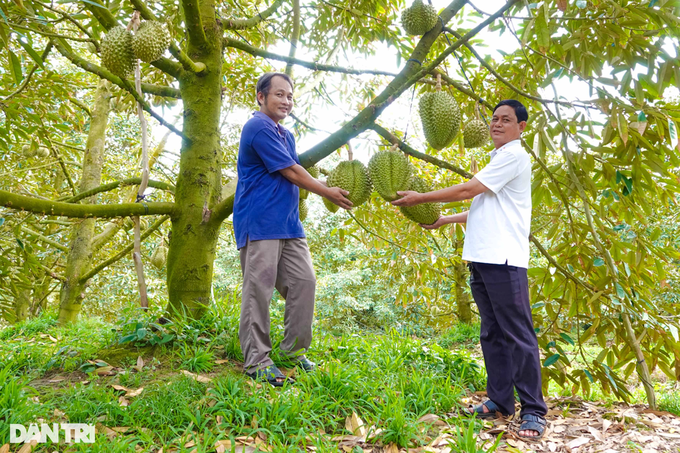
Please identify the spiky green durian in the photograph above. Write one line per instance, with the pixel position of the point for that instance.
(390, 172)
(151, 41)
(475, 134)
(159, 257)
(352, 176)
(426, 213)
(419, 18)
(440, 116)
(117, 54)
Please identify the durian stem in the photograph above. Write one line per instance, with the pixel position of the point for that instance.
(438, 86)
(350, 151)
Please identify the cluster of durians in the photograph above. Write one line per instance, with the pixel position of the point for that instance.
(120, 48)
(440, 116)
(35, 150)
(388, 172)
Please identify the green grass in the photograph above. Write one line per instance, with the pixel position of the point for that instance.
(670, 402)
(458, 335)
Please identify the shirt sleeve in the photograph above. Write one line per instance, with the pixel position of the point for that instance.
(271, 150)
(501, 170)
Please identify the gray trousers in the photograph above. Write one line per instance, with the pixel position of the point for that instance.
(284, 264)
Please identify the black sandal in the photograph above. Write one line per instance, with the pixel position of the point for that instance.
(478, 410)
(532, 423)
(270, 374)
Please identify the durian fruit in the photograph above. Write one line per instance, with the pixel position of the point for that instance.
(160, 255)
(314, 173)
(440, 115)
(332, 207)
(29, 151)
(475, 132)
(352, 176)
(117, 54)
(151, 41)
(390, 172)
(303, 209)
(43, 152)
(419, 18)
(426, 213)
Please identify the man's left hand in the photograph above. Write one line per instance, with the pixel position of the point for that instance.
(408, 198)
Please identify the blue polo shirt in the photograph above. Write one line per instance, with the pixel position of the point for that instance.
(265, 203)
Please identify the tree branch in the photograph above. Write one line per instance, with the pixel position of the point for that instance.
(194, 24)
(387, 135)
(46, 240)
(128, 248)
(222, 210)
(241, 24)
(114, 185)
(236, 44)
(295, 36)
(55, 208)
(406, 78)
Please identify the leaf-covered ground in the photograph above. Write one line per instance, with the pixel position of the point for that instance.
(180, 388)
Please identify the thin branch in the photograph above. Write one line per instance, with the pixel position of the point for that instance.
(513, 87)
(462, 88)
(114, 185)
(24, 84)
(241, 24)
(82, 105)
(128, 248)
(236, 44)
(193, 21)
(72, 20)
(387, 135)
(49, 34)
(55, 208)
(45, 239)
(384, 238)
(61, 162)
(222, 210)
(295, 36)
(147, 108)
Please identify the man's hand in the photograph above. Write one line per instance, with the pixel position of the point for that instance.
(441, 221)
(408, 198)
(338, 196)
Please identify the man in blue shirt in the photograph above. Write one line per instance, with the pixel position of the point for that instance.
(269, 234)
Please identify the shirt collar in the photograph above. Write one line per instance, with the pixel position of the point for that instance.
(282, 130)
(493, 153)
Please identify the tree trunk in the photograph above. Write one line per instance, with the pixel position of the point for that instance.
(463, 309)
(193, 239)
(80, 255)
(22, 304)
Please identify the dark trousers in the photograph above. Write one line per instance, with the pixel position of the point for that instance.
(508, 338)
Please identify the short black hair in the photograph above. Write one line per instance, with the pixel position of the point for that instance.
(265, 82)
(518, 107)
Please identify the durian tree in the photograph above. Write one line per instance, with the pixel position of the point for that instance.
(605, 166)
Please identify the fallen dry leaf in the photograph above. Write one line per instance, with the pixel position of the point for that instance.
(197, 377)
(4, 448)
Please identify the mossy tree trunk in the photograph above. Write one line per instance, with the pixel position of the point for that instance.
(80, 254)
(193, 239)
(463, 302)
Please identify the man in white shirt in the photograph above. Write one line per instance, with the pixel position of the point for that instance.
(497, 248)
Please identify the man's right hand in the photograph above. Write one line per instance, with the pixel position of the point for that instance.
(441, 221)
(338, 196)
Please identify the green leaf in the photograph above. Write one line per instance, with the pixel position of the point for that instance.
(90, 2)
(32, 53)
(619, 291)
(2, 220)
(16, 67)
(567, 338)
(141, 333)
(597, 262)
(128, 338)
(550, 360)
(590, 376)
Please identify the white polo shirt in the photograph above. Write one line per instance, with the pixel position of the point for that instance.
(499, 220)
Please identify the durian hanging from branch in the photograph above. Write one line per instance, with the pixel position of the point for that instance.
(426, 213)
(419, 18)
(390, 172)
(440, 116)
(352, 176)
(120, 48)
(476, 131)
